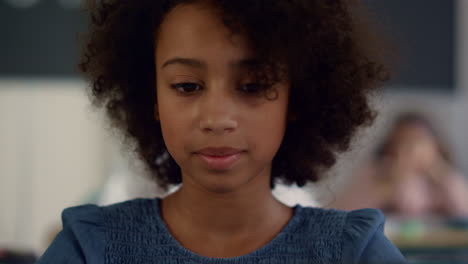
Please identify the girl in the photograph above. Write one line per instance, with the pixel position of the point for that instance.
(227, 98)
(411, 176)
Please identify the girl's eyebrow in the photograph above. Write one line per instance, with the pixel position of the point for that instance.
(195, 63)
(185, 61)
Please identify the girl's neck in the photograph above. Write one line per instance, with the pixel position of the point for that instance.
(221, 212)
(227, 220)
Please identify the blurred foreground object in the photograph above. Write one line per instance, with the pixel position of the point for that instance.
(16, 257)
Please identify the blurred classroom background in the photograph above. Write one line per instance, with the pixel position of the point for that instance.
(56, 151)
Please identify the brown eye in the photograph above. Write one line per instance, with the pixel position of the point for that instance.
(251, 88)
(186, 88)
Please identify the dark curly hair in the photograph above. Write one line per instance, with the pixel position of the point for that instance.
(332, 70)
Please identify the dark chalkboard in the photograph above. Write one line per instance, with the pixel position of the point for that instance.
(42, 40)
(424, 32)
(39, 40)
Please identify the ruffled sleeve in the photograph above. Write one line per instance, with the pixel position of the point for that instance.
(365, 242)
(82, 239)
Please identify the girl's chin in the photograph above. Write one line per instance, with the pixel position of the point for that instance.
(220, 184)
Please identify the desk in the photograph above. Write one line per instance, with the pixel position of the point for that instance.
(437, 238)
(430, 241)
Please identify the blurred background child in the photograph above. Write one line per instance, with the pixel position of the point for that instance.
(412, 175)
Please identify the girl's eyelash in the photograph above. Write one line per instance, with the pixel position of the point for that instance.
(189, 88)
(186, 87)
(251, 88)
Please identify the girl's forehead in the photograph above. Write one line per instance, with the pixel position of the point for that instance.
(184, 17)
(197, 30)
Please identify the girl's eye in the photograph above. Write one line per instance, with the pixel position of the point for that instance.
(251, 88)
(186, 88)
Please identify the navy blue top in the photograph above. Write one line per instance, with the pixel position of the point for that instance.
(134, 232)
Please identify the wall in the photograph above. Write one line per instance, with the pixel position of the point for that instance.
(52, 154)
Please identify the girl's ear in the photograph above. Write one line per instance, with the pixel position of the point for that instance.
(156, 112)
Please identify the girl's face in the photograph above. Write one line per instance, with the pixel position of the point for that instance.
(415, 144)
(219, 131)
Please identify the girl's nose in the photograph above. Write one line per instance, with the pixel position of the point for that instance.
(217, 114)
(218, 125)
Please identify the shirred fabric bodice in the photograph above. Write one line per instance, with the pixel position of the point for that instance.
(134, 232)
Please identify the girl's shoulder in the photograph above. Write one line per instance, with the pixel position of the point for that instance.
(88, 228)
(348, 226)
(359, 232)
(126, 215)
(340, 219)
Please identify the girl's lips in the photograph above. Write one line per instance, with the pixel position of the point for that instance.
(220, 162)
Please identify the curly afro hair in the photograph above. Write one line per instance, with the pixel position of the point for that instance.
(323, 46)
